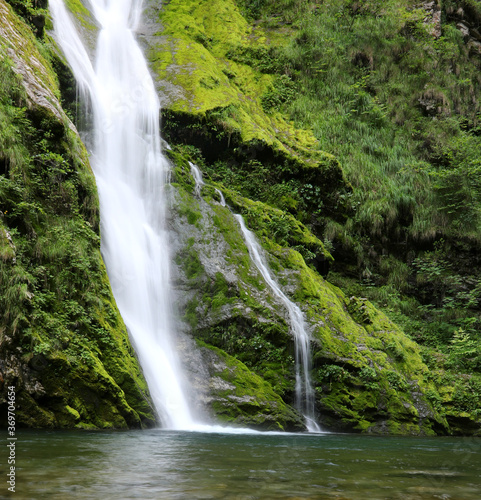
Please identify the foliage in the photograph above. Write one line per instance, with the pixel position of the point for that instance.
(33, 11)
(396, 381)
(464, 351)
(396, 105)
(283, 91)
(332, 373)
(369, 377)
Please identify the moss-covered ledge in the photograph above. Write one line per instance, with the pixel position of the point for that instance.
(217, 144)
(240, 397)
(214, 72)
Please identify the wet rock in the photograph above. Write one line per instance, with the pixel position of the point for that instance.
(464, 30)
(433, 17)
(434, 102)
(474, 47)
(239, 397)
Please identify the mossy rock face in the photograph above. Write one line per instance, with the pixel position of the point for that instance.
(239, 397)
(214, 71)
(368, 376)
(63, 345)
(223, 301)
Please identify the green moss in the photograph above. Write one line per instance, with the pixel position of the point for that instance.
(34, 55)
(280, 226)
(81, 14)
(221, 292)
(190, 262)
(217, 95)
(191, 313)
(33, 13)
(76, 7)
(246, 399)
(188, 208)
(73, 412)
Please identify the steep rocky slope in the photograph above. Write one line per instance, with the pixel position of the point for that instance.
(368, 375)
(225, 88)
(224, 85)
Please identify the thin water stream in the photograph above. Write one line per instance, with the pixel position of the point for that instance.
(304, 390)
(305, 399)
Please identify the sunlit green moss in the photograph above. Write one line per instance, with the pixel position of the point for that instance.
(197, 75)
(246, 399)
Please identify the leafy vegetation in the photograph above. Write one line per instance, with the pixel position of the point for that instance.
(397, 105)
(33, 11)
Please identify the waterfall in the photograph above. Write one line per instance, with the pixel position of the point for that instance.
(304, 390)
(221, 197)
(199, 182)
(197, 175)
(130, 171)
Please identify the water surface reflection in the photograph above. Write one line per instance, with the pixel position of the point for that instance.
(175, 465)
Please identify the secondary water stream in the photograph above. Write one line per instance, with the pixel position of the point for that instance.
(304, 390)
(305, 400)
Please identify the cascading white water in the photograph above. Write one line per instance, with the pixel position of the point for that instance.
(304, 391)
(130, 171)
(221, 196)
(199, 182)
(197, 175)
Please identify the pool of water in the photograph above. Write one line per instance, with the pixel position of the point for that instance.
(173, 465)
